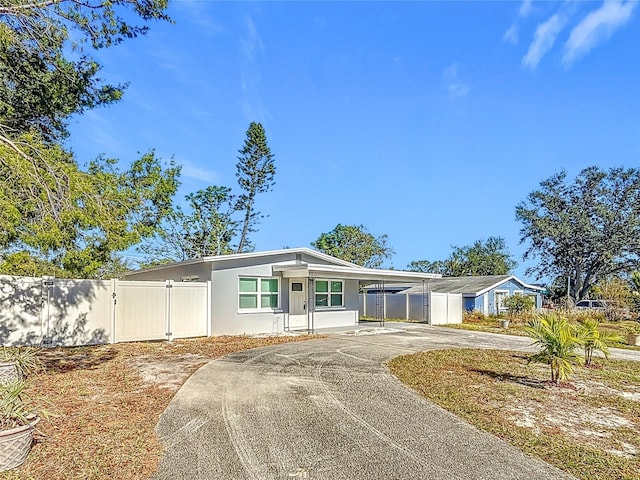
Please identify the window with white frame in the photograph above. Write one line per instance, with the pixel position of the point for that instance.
(329, 293)
(256, 293)
(500, 297)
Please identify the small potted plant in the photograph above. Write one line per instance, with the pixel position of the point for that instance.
(18, 363)
(18, 420)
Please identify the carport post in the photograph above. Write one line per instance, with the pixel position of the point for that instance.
(311, 301)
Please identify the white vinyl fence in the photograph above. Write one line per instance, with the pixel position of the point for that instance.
(433, 308)
(51, 312)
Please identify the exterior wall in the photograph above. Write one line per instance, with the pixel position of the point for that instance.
(227, 319)
(471, 303)
(175, 273)
(511, 287)
(342, 317)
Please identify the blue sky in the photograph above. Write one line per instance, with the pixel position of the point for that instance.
(427, 121)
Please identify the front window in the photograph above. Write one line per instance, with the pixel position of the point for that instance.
(258, 293)
(329, 293)
(500, 298)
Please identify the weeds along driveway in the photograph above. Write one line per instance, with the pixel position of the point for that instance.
(329, 409)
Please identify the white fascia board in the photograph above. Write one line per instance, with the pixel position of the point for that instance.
(359, 273)
(235, 256)
(305, 250)
(485, 290)
(512, 277)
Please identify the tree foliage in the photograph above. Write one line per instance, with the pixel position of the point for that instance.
(46, 71)
(354, 244)
(255, 174)
(490, 257)
(586, 230)
(634, 288)
(59, 215)
(106, 210)
(207, 229)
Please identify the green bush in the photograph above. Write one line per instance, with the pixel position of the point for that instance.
(517, 304)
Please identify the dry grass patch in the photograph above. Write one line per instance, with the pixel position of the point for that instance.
(107, 401)
(589, 427)
(478, 322)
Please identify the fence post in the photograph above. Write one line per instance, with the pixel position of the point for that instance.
(169, 290)
(209, 328)
(114, 300)
(406, 306)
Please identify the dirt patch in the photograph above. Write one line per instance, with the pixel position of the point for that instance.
(169, 373)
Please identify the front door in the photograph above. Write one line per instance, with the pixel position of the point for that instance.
(297, 303)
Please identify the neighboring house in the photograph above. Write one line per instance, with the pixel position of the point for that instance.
(483, 293)
(276, 291)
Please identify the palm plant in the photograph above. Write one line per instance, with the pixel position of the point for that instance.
(26, 359)
(594, 339)
(15, 408)
(558, 342)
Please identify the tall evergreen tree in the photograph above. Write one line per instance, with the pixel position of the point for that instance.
(255, 174)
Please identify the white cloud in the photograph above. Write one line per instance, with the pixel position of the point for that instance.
(251, 41)
(196, 172)
(597, 27)
(456, 88)
(511, 35)
(543, 40)
(252, 47)
(526, 7)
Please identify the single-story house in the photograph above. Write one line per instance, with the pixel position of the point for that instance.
(277, 291)
(483, 293)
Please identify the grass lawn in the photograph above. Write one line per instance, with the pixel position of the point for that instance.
(482, 323)
(107, 401)
(588, 427)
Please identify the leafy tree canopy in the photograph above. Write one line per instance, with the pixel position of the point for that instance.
(46, 73)
(57, 216)
(106, 210)
(355, 244)
(208, 229)
(585, 230)
(490, 257)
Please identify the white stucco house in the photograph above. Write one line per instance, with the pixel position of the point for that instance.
(278, 291)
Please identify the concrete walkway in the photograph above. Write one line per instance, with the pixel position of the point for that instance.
(329, 409)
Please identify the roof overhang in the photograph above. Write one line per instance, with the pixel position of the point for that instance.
(511, 277)
(308, 270)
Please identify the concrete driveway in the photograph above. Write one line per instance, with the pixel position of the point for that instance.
(329, 409)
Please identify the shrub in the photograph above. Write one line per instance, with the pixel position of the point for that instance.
(517, 304)
(558, 342)
(593, 338)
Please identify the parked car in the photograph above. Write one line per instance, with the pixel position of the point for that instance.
(591, 305)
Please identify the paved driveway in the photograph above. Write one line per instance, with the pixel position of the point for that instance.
(329, 409)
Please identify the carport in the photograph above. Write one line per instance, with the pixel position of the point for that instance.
(309, 282)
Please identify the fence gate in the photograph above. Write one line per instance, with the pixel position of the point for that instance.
(161, 310)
